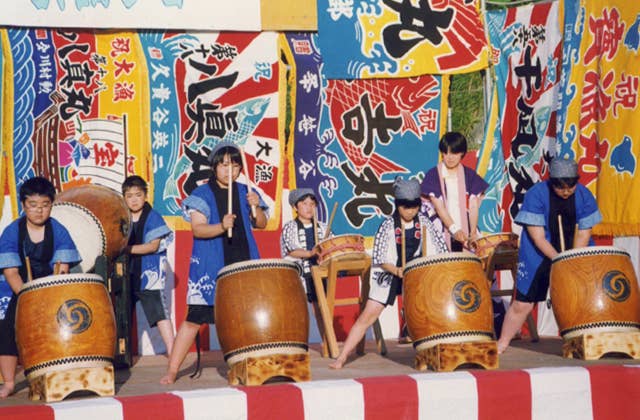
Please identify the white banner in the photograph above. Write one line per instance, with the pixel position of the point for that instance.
(216, 15)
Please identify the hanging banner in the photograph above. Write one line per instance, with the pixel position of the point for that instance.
(526, 48)
(598, 125)
(400, 38)
(134, 14)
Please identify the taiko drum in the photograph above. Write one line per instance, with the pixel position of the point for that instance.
(447, 300)
(261, 310)
(487, 245)
(340, 246)
(594, 289)
(65, 322)
(97, 219)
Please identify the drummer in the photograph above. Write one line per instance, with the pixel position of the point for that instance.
(455, 192)
(46, 244)
(561, 197)
(207, 210)
(298, 238)
(387, 270)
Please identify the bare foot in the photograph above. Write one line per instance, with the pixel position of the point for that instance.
(6, 389)
(168, 379)
(337, 364)
(502, 347)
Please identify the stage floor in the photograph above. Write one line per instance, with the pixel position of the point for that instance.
(143, 377)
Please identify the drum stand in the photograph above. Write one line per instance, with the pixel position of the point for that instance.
(258, 370)
(593, 346)
(56, 386)
(447, 357)
(347, 265)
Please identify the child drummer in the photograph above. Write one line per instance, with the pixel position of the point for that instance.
(387, 268)
(300, 237)
(33, 246)
(207, 208)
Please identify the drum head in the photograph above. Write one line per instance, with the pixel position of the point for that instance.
(85, 230)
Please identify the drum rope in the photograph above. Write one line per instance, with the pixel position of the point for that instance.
(266, 346)
(67, 361)
(198, 371)
(33, 286)
(453, 334)
(588, 251)
(358, 247)
(601, 324)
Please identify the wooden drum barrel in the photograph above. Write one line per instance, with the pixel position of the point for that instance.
(97, 219)
(594, 289)
(341, 246)
(447, 300)
(261, 310)
(64, 322)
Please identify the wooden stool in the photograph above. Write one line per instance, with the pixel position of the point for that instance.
(447, 357)
(257, 370)
(347, 265)
(506, 258)
(55, 386)
(594, 346)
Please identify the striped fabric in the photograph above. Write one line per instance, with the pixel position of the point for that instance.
(596, 392)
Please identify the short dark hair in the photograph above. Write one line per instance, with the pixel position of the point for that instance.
(234, 156)
(409, 203)
(37, 186)
(453, 142)
(134, 181)
(563, 182)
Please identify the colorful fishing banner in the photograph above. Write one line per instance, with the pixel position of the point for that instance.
(158, 14)
(526, 48)
(598, 121)
(400, 38)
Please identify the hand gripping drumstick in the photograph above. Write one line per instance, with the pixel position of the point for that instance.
(230, 197)
(246, 175)
(333, 214)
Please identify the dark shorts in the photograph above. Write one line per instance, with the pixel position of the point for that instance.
(8, 345)
(311, 289)
(200, 314)
(539, 286)
(152, 302)
(394, 289)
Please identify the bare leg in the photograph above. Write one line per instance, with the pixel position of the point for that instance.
(166, 332)
(371, 312)
(8, 369)
(513, 320)
(186, 334)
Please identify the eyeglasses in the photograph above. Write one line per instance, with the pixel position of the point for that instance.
(33, 206)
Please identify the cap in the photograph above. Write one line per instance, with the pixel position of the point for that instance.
(406, 190)
(220, 146)
(563, 168)
(298, 194)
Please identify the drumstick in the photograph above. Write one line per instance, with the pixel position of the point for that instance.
(56, 268)
(230, 196)
(315, 225)
(561, 233)
(246, 175)
(333, 214)
(424, 241)
(575, 236)
(402, 246)
(28, 264)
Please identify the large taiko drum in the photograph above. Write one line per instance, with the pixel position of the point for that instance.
(65, 322)
(447, 300)
(487, 245)
(261, 310)
(341, 246)
(97, 219)
(593, 290)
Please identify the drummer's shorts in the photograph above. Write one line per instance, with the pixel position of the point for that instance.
(200, 314)
(153, 305)
(8, 345)
(384, 288)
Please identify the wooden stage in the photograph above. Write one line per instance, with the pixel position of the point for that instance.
(141, 381)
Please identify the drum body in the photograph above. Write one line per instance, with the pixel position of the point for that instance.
(97, 219)
(485, 247)
(447, 300)
(65, 322)
(261, 310)
(594, 289)
(340, 246)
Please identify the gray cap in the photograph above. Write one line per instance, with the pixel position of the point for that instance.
(406, 190)
(563, 168)
(298, 194)
(220, 146)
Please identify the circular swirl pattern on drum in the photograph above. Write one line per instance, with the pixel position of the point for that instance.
(466, 296)
(616, 286)
(74, 316)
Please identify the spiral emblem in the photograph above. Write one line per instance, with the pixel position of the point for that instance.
(616, 285)
(466, 296)
(74, 316)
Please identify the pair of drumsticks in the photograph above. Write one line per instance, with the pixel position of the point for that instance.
(575, 234)
(27, 263)
(230, 189)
